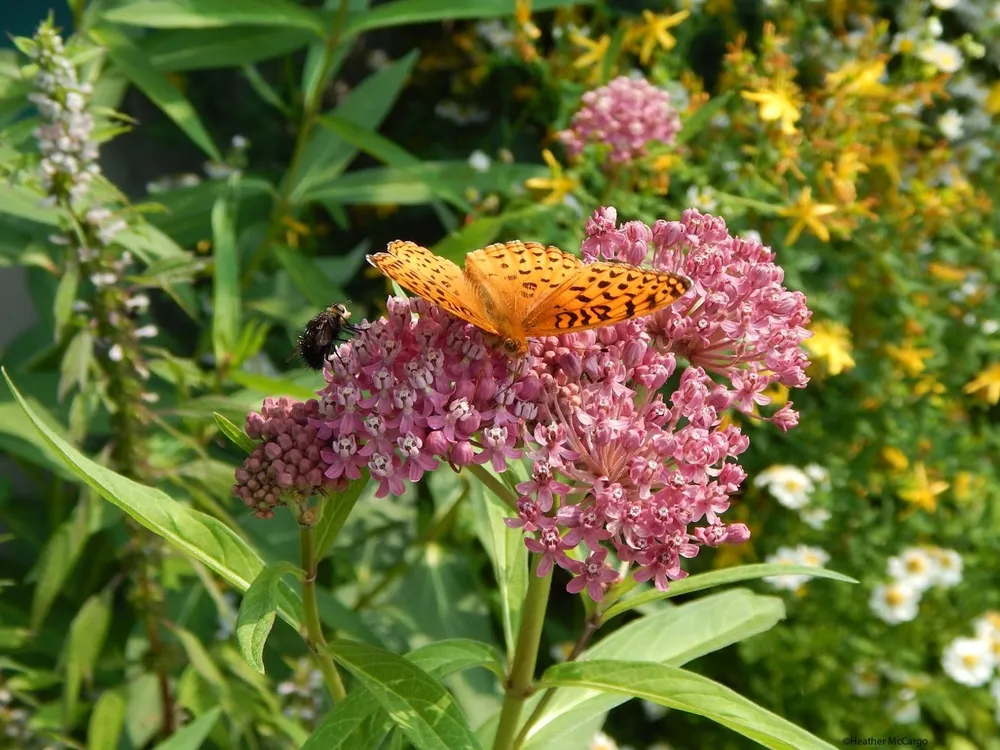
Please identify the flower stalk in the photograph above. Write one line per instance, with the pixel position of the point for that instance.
(314, 637)
(522, 669)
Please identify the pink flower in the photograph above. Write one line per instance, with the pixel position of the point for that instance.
(626, 115)
(617, 462)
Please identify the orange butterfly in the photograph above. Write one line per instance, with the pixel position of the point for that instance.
(517, 289)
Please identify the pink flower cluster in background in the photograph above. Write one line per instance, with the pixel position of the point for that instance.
(627, 449)
(626, 115)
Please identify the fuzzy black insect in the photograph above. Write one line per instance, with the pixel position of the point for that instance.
(321, 335)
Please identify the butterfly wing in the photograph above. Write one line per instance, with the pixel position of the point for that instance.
(511, 276)
(603, 293)
(432, 277)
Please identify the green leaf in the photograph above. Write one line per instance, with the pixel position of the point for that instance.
(367, 140)
(66, 294)
(685, 691)
(257, 612)
(419, 183)
(480, 233)
(508, 555)
(318, 288)
(199, 535)
(83, 646)
(405, 12)
(453, 655)
(367, 105)
(714, 578)
(207, 14)
(675, 635)
(136, 66)
(24, 203)
(234, 433)
(192, 736)
(184, 213)
(59, 558)
(198, 49)
(106, 721)
(419, 705)
(203, 662)
(226, 289)
(359, 723)
(334, 510)
(697, 122)
(75, 366)
(265, 90)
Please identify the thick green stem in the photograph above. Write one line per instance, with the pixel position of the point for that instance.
(314, 628)
(522, 668)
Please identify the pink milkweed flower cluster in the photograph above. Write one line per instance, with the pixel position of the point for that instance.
(628, 449)
(626, 115)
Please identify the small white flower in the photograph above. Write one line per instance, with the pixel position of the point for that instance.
(819, 474)
(815, 518)
(702, 198)
(903, 707)
(969, 661)
(945, 57)
(378, 59)
(989, 327)
(915, 565)
(601, 741)
(948, 567)
(753, 235)
(240, 142)
(802, 554)
(951, 125)
(944, 4)
(864, 681)
(934, 27)
(217, 171)
(653, 711)
(479, 161)
(895, 602)
(789, 485)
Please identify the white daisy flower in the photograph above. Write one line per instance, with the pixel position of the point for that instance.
(945, 57)
(915, 565)
(969, 661)
(895, 602)
(789, 485)
(948, 564)
(803, 554)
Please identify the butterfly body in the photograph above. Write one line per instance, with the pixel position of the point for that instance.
(517, 290)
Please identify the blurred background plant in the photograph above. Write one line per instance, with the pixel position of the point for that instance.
(170, 274)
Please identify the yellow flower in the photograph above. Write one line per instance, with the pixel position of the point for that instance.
(993, 100)
(522, 14)
(859, 77)
(557, 185)
(962, 488)
(831, 344)
(653, 31)
(781, 102)
(596, 50)
(944, 272)
(987, 381)
(807, 214)
(895, 458)
(909, 357)
(778, 394)
(293, 231)
(921, 492)
(844, 175)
